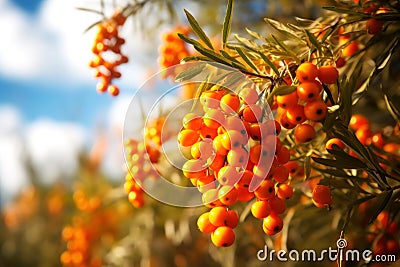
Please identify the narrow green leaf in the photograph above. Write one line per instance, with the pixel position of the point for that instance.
(255, 35)
(279, 43)
(383, 200)
(190, 73)
(283, 29)
(227, 56)
(313, 40)
(194, 58)
(198, 30)
(212, 55)
(189, 40)
(340, 164)
(269, 62)
(89, 10)
(246, 59)
(227, 23)
(91, 26)
(393, 106)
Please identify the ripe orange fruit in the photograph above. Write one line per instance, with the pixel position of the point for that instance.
(306, 72)
(373, 26)
(260, 209)
(304, 133)
(321, 196)
(204, 224)
(272, 224)
(223, 236)
(328, 74)
(295, 114)
(315, 110)
(288, 100)
(307, 91)
(334, 141)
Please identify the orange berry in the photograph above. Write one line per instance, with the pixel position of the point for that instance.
(218, 216)
(292, 166)
(260, 209)
(252, 113)
(315, 110)
(213, 118)
(277, 205)
(210, 198)
(208, 133)
(266, 190)
(194, 168)
(223, 236)
(284, 121)
(204, 224)
(228, 175)
(272, 224)
(340, 62)
(233, 219)
(192, 121)
(364, 134)
(321, 196)
(328, 74)
(357, 120)
(295, 114)
(230, 103)
(281, 174)
(228, 195)
(306, 72)
(284, 191)
(304, 133)
(288, 100)
(350, 49)
(233, 139)
(237, 157)
(188, 137)
(307, 91)
(202, 149)
(377, 140)
(282, 155)
(218, 147)
(373, 26)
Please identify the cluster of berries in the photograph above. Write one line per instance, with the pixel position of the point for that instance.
(173, 50)
(139, 157)
(305, 102)
(235, 155)
(107, 53)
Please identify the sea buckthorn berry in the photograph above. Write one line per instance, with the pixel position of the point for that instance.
(282, 155)
(213, 118)
(258, 153)
(248, 96)
(207, 132)
(292, 166)
(284, 191)
(377, 140)
(334, 141)
(350, 49)
(364, 134)
(218, 216)
(223, 236)
(194, 168)
(321, 196)
(252, 113)
(260, 209)
(277, 205)
(315, 110)
(304, 133)
(188, 137)
(357, 120)
(230, 103)
(210, 198)
(228, 195)
(204, 224)
(261, 130)
(295, 114)
(308, 91)
(266, 190)
(218, 147)
(202, 149)
(328, 74)
(272, 224)
(192, 121)
(210, 99)
(340, 62)
(205, 183)
(237, 157)
(233, 139)
(233, 219)
(373, 26)
(306, 72)
(228, 175)
(235, 123)
(284, 121)
(281, 174)
(288, 100)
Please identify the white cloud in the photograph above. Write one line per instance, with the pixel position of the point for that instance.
(53, 148)
(51, 44)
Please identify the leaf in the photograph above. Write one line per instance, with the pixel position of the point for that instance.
(313, 40)
(89, 10)
(226, 29)
(198, 30)
(212, 55)
(283, 29)
(246, 59)
(269, 62)
(255, 35)
(91, 26)
(340, 163)
(226, 55)
(188, 40)
(383, 200)
(279, 43)
(190, 73)
(307, 166)
(393, 106)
